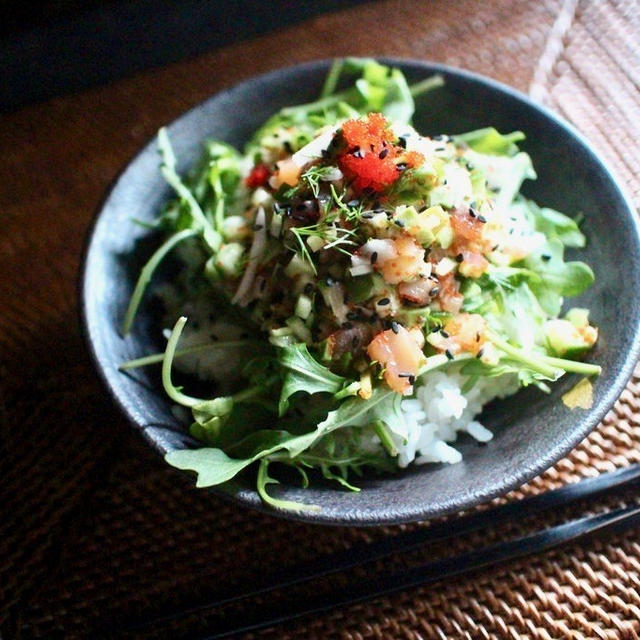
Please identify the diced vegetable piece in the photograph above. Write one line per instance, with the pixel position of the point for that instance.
(567, 340)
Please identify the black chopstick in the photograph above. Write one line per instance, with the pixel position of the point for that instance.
(537, 542)
(364, 553)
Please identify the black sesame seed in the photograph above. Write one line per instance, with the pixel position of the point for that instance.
(443, 333)
(459, 258)
(405, 375)
(480, 353)
(367, 216)
(440, 149)
(374, 257)
(448, 354)
(546, 257)
(383, 154)
(401, 166)
(412, 379)
(402, 141)
(399, 223)
(347, 325)
(383, 302)
(434, 292)
(352, 315)
(477, 336)
(482, 219)
(438, 137)
(353, 203)
(257, 227)
(472, 212)
(330, 281)
(308, 288)
(287, 146)
(373, 318)
(395, 327)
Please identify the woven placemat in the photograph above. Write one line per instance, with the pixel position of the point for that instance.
(94, 528)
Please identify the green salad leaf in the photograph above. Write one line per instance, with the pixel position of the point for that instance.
(304, 373)
(491, 141)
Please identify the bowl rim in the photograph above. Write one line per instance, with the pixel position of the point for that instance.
(515, 478)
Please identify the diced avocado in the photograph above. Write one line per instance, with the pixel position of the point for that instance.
(229, 259)
(427, 226)
(360, 288)
(444, 237)
(566, 340)
(578, 317)
(297, 266)
(315, 243)
(303, 306)
(414, 223)
(282, 337)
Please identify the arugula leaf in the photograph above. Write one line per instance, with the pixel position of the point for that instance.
(213, 466)
(383, 405)
(555, 225)
(398, 103)
(490, 141)
(168, 169)
(147, 273)
(304, 373)
(286, 505)
(557, 277)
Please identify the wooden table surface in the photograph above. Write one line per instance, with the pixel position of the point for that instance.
(94, 527)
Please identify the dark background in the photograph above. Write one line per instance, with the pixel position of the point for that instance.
(60, 46)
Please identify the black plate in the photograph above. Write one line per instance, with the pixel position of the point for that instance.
(532, 430)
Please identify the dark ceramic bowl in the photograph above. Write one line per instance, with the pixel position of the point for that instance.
(532, 430)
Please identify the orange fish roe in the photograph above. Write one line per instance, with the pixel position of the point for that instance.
(363, 133)
(372, 161)
(369, 172)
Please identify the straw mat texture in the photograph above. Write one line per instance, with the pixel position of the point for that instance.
(94, 528)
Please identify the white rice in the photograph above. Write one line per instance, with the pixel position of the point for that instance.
(438, 411)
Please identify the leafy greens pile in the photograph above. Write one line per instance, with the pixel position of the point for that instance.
(323, 401)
